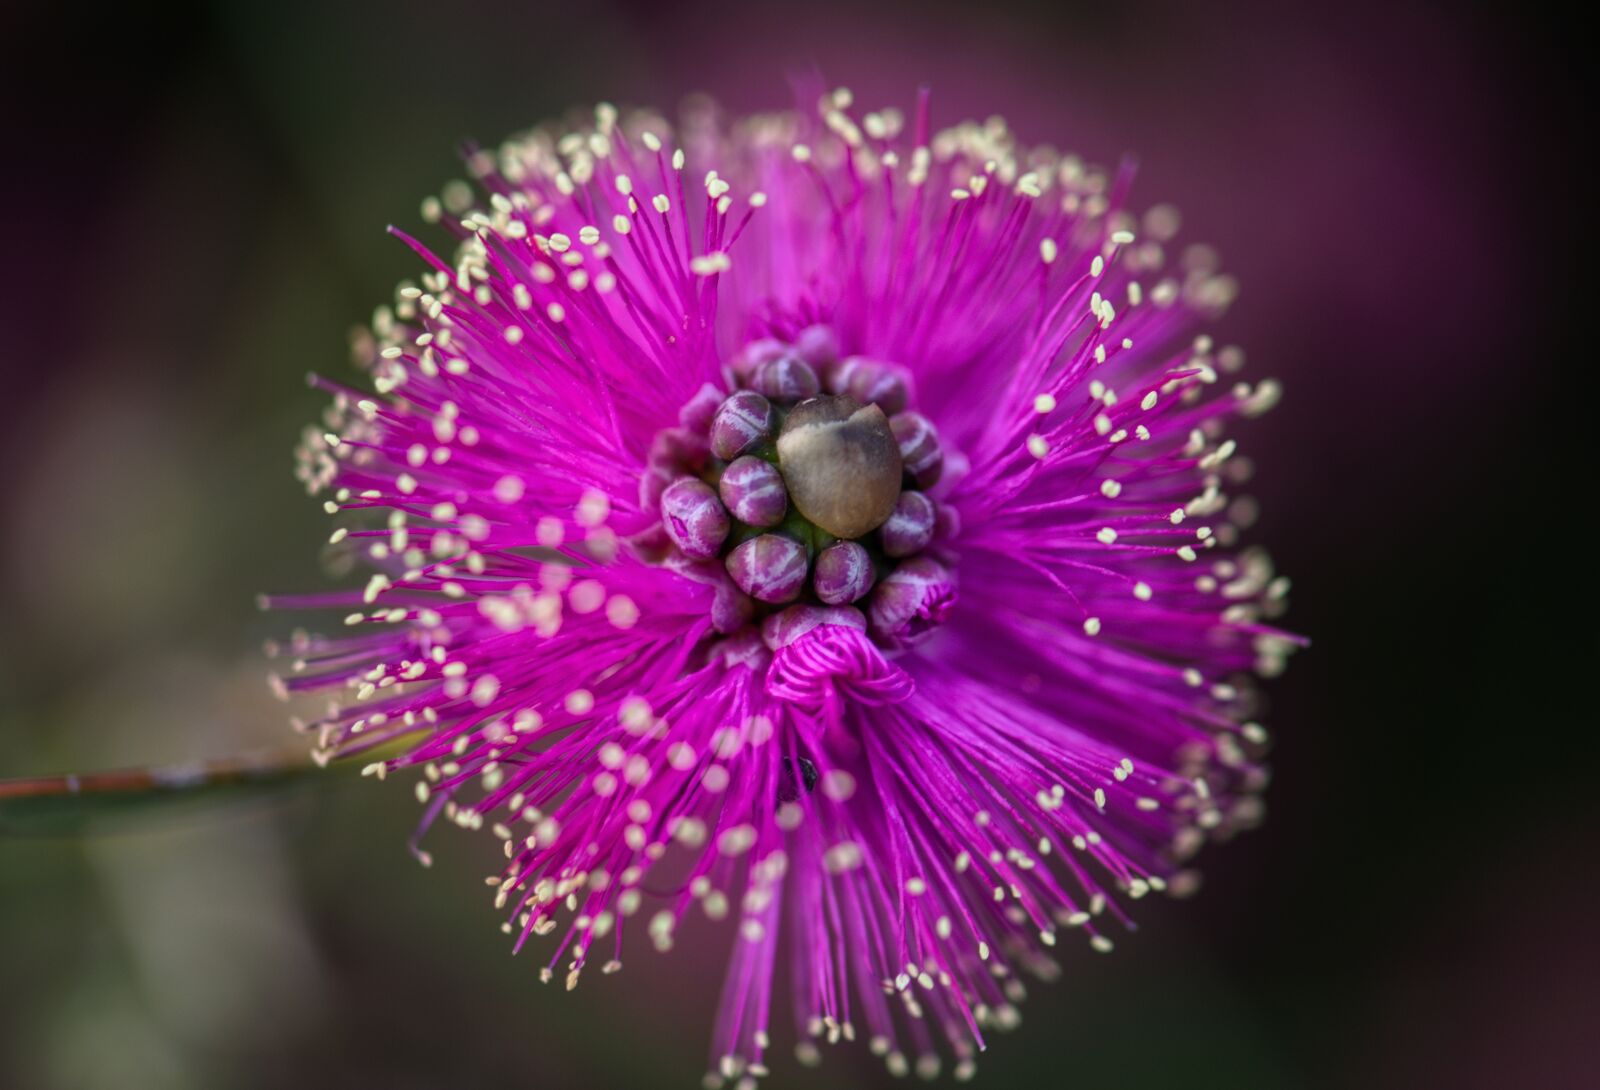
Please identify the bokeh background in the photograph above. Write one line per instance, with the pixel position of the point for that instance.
(193, 206)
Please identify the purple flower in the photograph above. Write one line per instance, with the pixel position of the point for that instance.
(967, 392)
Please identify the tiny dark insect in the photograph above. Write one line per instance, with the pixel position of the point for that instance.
(788, 789)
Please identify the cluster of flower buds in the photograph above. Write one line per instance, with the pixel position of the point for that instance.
(807, 484)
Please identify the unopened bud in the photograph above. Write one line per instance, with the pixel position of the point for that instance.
(745, 649)
(769, 568)
(697, 412)
(920, 451)
(681, 449)
(911, 602)
(694, 518)
(787, 378)
(651, 544)
(843, 573)
(756, 353)
(870, 382)
(654, 482)
(731, 608)
(909, 527)
(818, 345)
(741, 422)
(787, 626)
(752, 490)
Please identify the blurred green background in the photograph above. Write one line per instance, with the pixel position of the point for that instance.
(194, 203)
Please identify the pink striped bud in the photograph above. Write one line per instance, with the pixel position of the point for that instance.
(769, 568)
(787, 378)
(741, 422)
(911, 602)
(697, 412)
(694, 518)
(681, 449)
(754, 354)
(843, 573)
(731, 608)
(818, 345)
(870, 382)
(909, 527)
(785, 627)
(920, 452)
(753, 491)
(654, 482)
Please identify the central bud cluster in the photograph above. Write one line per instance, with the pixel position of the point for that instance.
(804, 486)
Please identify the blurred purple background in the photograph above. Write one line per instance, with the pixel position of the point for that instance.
(194, 204)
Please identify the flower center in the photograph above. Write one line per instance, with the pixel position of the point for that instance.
(806, 486)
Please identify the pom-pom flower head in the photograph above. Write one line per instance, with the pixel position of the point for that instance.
(810, 519)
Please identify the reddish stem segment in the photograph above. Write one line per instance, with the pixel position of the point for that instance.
(224, 770)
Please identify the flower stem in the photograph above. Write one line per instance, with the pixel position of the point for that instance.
(47, 802)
